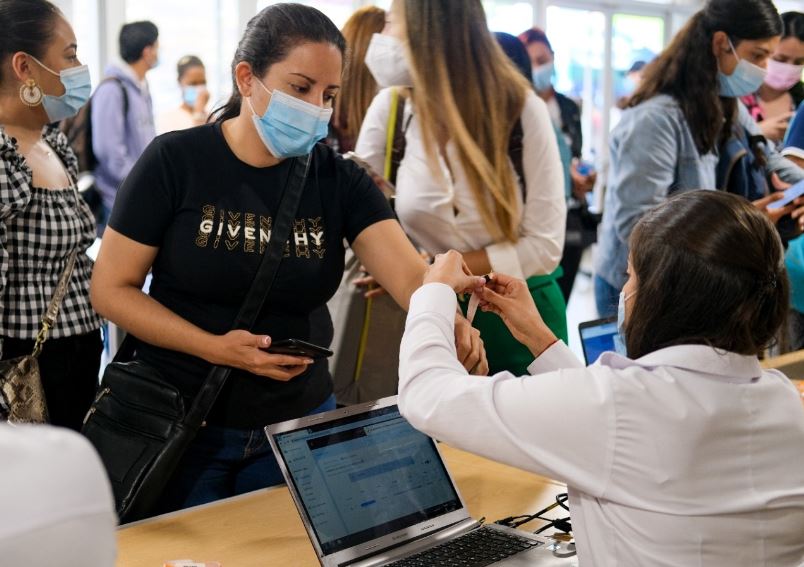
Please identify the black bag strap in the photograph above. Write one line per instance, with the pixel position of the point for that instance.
(62, 287)
(515, 145)
(260, 287)
(516, 150)
(123, 90)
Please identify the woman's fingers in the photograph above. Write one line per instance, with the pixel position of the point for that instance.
(482, 367)
(283, 373)
(463, 338)
(489, 296)
(475, 353)
(364, 281)
(375, 292)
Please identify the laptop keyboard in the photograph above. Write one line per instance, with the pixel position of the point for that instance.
(483, 546)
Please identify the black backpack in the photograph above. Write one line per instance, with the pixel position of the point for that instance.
(78, 130)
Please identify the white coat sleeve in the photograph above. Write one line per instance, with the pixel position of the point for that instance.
(559, 424)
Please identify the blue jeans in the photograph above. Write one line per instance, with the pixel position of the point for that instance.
(606, 297)
(224, 462)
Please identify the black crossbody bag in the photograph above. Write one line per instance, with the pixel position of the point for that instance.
(138, 423)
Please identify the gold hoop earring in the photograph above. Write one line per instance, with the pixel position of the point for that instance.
(30, 93)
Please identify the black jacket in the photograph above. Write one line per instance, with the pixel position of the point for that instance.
(571, 123)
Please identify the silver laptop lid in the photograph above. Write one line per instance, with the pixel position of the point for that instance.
(364, 480)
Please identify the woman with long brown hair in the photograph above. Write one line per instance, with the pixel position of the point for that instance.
(458, 187)
(681, 115)
(359, 87)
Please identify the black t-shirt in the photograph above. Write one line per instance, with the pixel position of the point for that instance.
(210, 216)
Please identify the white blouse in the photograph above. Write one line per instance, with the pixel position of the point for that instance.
(687, 456)
(440, 215)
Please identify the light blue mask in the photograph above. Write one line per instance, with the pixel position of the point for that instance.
(745, 80)
(619, 339)
(290, 127)
(189, 94)
(77, 88)
(629, 85)
(543, 77)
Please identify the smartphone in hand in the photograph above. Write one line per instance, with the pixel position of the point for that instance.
(297, 347)
(790, 195)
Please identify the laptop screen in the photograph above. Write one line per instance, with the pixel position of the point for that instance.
(365, 476)
(598, 337)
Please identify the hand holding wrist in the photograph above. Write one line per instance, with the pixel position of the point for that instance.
(449, 269)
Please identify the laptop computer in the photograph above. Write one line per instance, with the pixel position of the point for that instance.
(597, 337)
(373, 491)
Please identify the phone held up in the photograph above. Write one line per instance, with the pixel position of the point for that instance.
(297, 347)
(790, 194)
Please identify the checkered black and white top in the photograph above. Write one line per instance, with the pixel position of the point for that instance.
(39, 228)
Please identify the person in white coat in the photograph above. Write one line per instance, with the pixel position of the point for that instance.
(57, 505)
(683, 453)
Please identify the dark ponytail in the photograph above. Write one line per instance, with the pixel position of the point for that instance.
(26, 25)
(793, 25)
(268, 38)
(687, 69)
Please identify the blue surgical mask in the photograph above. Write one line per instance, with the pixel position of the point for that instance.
(190, 94)
(543, 77)
(745, 80)
(77, 88)
(290, 127)
(619, 340)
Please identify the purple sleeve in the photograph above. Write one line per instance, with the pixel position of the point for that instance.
(109, 131)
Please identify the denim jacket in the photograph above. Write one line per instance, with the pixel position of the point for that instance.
(653, 156)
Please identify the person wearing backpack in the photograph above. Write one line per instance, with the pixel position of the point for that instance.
(122, 112)
(457, 184)
(670, 138)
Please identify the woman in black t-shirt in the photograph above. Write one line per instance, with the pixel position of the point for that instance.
(197, 210)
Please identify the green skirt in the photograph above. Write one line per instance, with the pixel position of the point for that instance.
(504, 352)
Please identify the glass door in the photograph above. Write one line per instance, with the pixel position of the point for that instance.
(580, 65)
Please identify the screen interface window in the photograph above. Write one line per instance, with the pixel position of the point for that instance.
(599, 339)
(364, 477)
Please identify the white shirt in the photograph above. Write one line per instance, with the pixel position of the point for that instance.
(175, 119)
(56, 505)
(427, 206)
(688, 456)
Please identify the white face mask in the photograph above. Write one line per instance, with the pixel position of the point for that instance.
(386, 60)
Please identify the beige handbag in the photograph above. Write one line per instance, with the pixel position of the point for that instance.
(22, 399)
